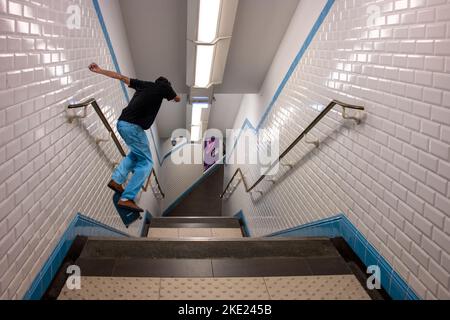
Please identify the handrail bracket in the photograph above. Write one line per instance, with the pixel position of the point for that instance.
(70, 119)
(355, 117)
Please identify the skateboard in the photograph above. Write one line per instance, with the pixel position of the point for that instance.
(128, 217)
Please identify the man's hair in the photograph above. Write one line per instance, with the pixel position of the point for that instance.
(162, 80)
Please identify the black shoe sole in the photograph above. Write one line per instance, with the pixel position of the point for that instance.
(129, 208)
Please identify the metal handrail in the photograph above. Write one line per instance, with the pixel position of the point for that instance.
(105, 122)
(322, 114)
(145, 188)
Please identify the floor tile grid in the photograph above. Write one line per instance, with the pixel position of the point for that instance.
(195, 233)
(263, 288)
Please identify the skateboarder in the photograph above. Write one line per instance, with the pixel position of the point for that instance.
(137, 117)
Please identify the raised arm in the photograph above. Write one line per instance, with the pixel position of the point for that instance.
(96, 69)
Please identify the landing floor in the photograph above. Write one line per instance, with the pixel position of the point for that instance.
(335, 287)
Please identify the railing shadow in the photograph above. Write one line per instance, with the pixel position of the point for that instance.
(84, 129)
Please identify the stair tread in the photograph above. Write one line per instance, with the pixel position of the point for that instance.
(195, 222)
(192, 268)
(209, 248)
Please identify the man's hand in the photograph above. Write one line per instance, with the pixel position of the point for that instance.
(177, 99)
(95, 68)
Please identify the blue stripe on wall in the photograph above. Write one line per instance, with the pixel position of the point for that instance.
(117, 68)
(110, 46)
(341, 226)
(162, 159)
(80, 226)
(247, 124)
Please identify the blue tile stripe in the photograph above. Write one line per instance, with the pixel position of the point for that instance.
(110, 45)
(247, 123)
(340, 226)
(147, 219)
(161, 159)
(240, 215)
(80, 226)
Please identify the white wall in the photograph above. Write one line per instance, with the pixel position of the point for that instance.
(390, 175)
(51, 169)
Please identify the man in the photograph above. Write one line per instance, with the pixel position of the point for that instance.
(137, 117)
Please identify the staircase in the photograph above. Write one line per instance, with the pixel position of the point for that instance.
(208, 259)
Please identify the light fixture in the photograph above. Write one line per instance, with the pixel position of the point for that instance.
(210, 27)
(204, 64)
(208, 20)
(201, 105)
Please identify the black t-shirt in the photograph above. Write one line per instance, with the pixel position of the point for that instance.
(146, 102)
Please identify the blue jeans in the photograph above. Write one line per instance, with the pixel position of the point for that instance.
(139, 160)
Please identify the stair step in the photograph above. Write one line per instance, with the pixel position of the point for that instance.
(208, 248)
(195, 222)
(171, 233)
(339, 287)
(192, 268)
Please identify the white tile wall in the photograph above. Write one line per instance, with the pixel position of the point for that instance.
(390, 175)
(50, 169)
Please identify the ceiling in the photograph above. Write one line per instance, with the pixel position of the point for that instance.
(156, 31)
(224, 111)
(258, 30)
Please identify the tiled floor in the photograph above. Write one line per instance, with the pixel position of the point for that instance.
(341, 287)
(170, 233)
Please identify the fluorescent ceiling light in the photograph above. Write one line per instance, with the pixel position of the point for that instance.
(203, 70)
(196, 116)
(208, 20)
(200, 99)
(201, 105)
(195, 133)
